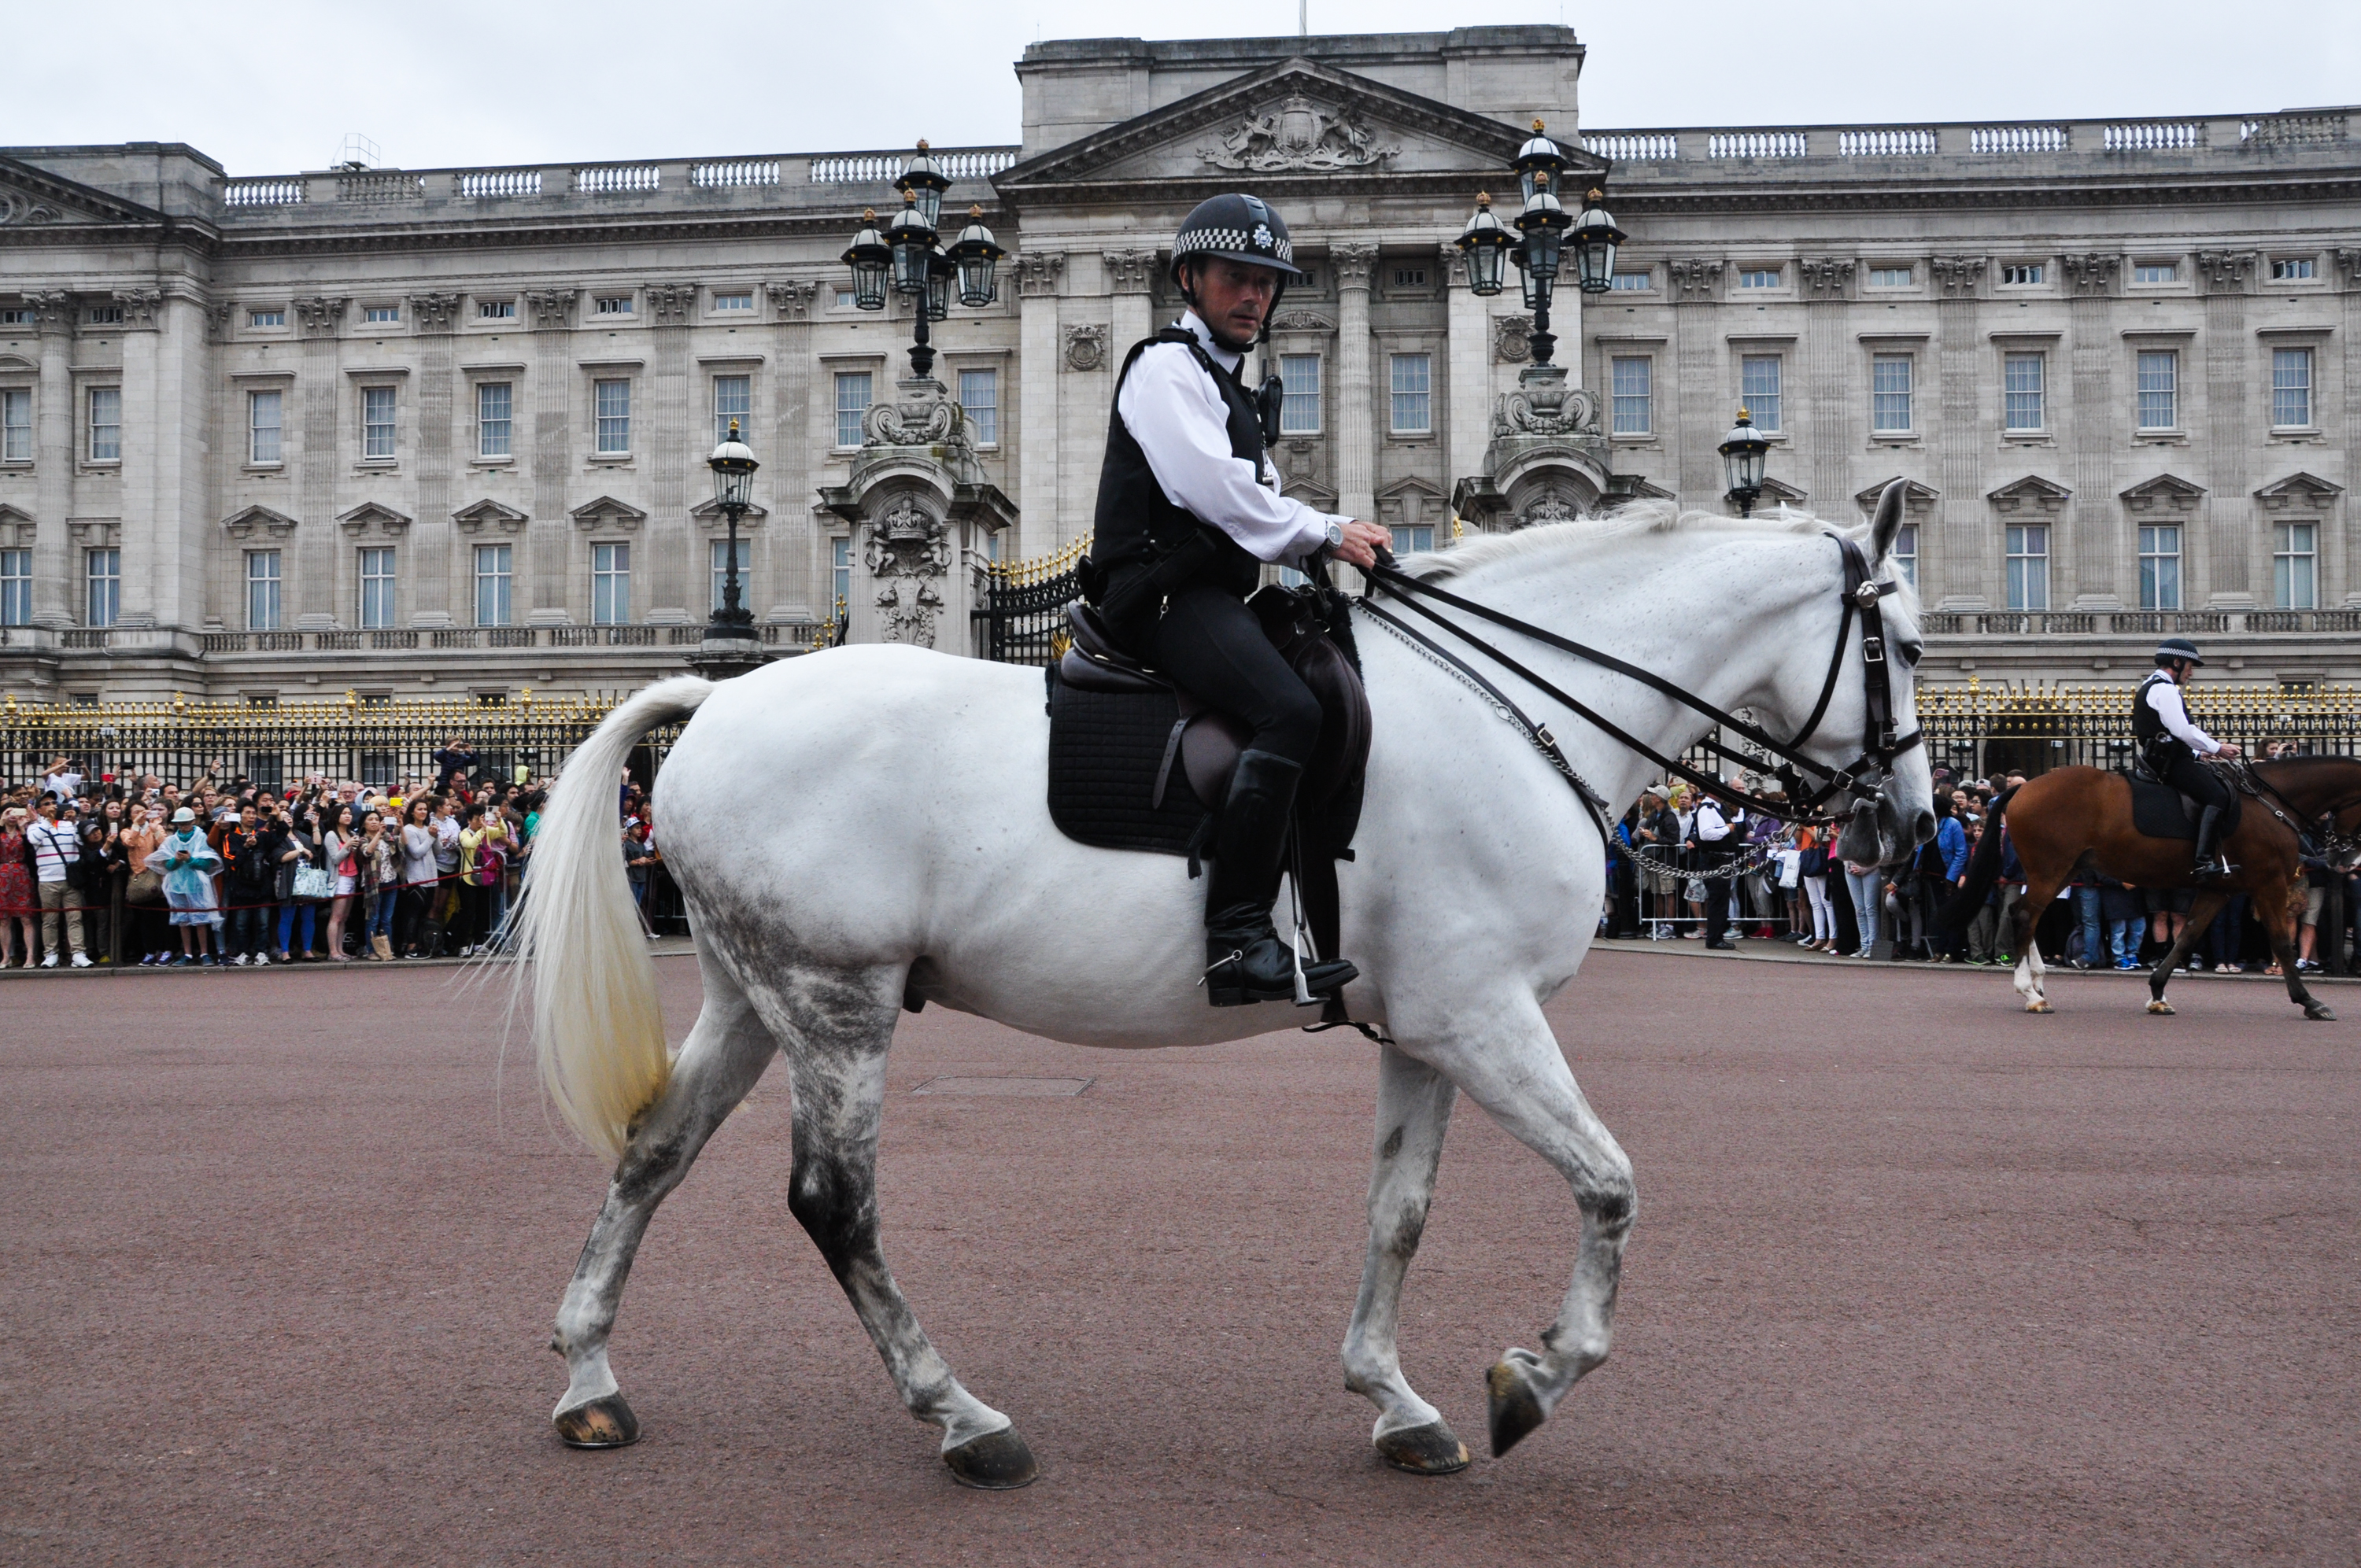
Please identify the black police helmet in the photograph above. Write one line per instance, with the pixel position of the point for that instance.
(1240, 228)
(2177, 649)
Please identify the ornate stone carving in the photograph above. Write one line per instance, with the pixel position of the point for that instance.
(2349, 262)
(2226, 271)
(1693, 277)
(1085, 347)
(2169, 491)
(1544, 404)
(551, 307)
(52, 308)
(1957, 275)
(908, 553)
(320, 314)
(793, 299)
(1353, 264)
(1454, 264)
(140, 305)
(1825, 277)
(923, 415)
(671, 304)
(1130, 272)
(2092, 273)
(1300, 321)
(242, 524)
(1298, 135)
(1512, 339)
(1037, 272)
(217, 315)
(1550, 507)
(2305, 492)
(16, 207)
(435, 312)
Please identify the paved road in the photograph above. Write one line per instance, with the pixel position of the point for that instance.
(1916, 1279)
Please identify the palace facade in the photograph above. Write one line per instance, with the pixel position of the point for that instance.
(404, 432)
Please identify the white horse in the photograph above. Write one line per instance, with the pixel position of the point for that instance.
(909, 854)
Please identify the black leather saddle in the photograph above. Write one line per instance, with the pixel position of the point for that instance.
(2160, 811)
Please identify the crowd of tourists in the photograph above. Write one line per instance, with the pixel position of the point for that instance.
(229, 871)
(1686, 866)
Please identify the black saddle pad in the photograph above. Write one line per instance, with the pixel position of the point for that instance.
(1105, 751)
(2160, 811)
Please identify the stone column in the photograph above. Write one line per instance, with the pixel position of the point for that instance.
(1467, 372)
(1130, 274)
(2225, 276)
(312, 573)
(425, 577)
(173, 594)
(1696, 285)
(782, 556)
(1959, 560)
(53, 455)
(548, 533)
(669, 570)
(2094, 558)
(2348, 264)
(1036, 401)
(1826, 282)
(1356, 409)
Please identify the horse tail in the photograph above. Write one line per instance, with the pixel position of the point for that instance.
(598, 1029)
(1983, 869)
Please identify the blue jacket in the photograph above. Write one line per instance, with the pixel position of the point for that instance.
(1952, 840)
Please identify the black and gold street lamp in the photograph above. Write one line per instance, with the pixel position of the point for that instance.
(1548, 235)
(733, 468)
(908, 257)
(1743, 452)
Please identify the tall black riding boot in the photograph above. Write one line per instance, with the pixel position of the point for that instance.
(2210, 864)
(1244, 959)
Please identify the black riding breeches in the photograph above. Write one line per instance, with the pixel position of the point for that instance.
(2202, 783)
(1210, 643)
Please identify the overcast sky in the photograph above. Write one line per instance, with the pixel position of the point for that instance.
(269, 88)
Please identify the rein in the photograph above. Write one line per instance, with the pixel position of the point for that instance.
(2324, 832)
(1880, 746)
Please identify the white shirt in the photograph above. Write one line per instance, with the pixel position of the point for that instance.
(62, 785)
(1175, 413)
(55, 847)
(1712, 827)
(2165, 698)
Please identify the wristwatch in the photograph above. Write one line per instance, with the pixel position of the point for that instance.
(1335, 536)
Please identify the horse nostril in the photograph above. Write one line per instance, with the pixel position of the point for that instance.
(1922, 827)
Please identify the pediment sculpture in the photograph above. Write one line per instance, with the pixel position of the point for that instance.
(908, 549)
(1298, 135)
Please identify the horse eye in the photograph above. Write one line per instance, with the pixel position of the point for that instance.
(1912, 652)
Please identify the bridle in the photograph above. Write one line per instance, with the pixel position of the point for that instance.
(2322, 837)
(1809, 785)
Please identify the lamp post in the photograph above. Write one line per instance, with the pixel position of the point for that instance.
(1549, 236)
(1744, 451)
(733, 468)
(905, 257)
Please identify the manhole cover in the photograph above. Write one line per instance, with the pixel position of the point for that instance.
(1021, 1087)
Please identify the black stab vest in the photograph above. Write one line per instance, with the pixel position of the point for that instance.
(2160, 746)
(1137, 521)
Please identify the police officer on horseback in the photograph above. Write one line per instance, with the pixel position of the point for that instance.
(1189, 510)
(2172, 747)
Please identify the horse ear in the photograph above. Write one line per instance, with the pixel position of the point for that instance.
(1887, 524)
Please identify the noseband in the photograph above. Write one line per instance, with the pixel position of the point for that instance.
(1809, 784)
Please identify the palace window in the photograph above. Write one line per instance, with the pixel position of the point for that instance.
(1891, 277)
(611, 408)
(840, 570)
(1889, 394)
(495, 419)
(377, 588)
(16, 425)
(979, 397)
(610, 584)
(720, 552)
(1409, 277)
(611, 305)
(2290, 388)
(1760, 277)
(376, 424)
(102, 573)
(852, 403)
(495, 583)
(15, 587)
(733, 399)
(2295, 563)
(106, 424)
(2021, 382)
(2157, 272)
(381, 315)
(262, 426)
(266, 318)
(262, 590)
(1413, 394)
(2029, 565)
(106, 316)
(2025, 272)
(1635, 283)
(1631, 383)
(2290, 268)
(733, 301)
(1298, 409)
(1758, 388)
(1905, 554)
(15, 315)
(1411, 539)
(2160, 566)
(2159, 390)
(495, 309)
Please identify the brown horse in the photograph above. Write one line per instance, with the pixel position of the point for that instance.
(2074, 817)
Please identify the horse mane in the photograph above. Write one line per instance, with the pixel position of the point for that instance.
(1582, 534)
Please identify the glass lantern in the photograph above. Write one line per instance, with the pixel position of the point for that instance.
(912, 239)
(733, 468)
(1543, 223)
(976, 255)
(1743, 452)
(923, 183)
(1536, 289)
(1486, 244)
(872, 261)
(1538, 162)
(1593, 242)
(940, 270)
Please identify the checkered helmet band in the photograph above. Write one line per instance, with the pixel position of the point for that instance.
(1239, 226)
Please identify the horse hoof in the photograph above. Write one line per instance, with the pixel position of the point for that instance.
(2040, 1004)
(997, 1462)
(2318, 1012)
(1431, 1450)
(602, 1424)
(1516, 1411)
(2161, 1007)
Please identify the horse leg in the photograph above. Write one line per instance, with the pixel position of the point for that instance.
(2201, 910)
(2279, 916)
(1413, 1111)
(838, 1025)
(2030, 970)
(1514, 1070)
(724, 1055)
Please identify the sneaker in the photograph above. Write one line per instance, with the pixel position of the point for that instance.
(50, 962)
(2307, 966)
(81, 960)
(239, 960)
